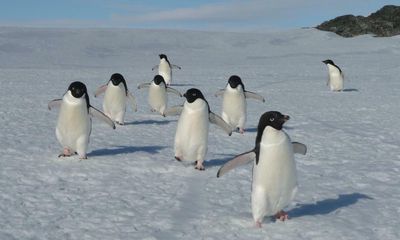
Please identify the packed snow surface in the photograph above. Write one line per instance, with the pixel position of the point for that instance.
(130, 187)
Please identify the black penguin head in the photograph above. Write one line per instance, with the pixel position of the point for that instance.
(192, 94)
(77, 89)
(328, 61)
(163, 56)
(235, 81)
(158, 79)
(274, 119)
(116, 79)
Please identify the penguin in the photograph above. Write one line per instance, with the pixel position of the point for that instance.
(74, 123)
(234, 102)
(274, 181)
(165, 68)
(116, 94)
(158, 89)
(191, 137)
(336, 77)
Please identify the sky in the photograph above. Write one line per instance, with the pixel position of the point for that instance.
(228, 15)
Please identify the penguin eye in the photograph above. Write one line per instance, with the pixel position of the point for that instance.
(272, 119)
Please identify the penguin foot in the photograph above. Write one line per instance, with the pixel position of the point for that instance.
(241, 130)
(282, 215)
(120, 123)
(258, 224)
(178, 158)
(66, 153)
(199, 167)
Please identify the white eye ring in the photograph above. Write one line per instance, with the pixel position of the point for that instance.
(271, 119)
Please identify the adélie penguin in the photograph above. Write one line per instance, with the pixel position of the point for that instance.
(234, 104)
(116, 95)
(335, 76)
(165, 68)
(274, 182)
(158, 99)
(74, 123)
(191, 138)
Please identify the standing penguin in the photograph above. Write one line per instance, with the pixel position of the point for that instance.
(165, 68)
(191, 138)
(335, 80)
(158, 99)
(234, 102)
(74, 123)
(115, 98)
(274, 171)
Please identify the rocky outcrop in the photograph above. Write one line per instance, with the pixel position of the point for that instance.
(383, 23)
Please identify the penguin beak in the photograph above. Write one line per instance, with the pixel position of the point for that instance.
(286, 118)
(326, 62)
(184, 95)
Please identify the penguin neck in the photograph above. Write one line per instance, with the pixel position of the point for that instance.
(272, 136)
(197, 105)
(73, 100)
(333, 69)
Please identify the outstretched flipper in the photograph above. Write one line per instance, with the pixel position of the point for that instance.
(132, 100)
(217, 120)
(220, 92)
(98, 114)
(237, 161)
(100, 90)
(299, 148)
(173, 111)
(152, 69)
(253, 95)
(143, 85)
(175, 66)
(172, 90)
(54, 103)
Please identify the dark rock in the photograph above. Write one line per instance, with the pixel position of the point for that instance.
(383, 23)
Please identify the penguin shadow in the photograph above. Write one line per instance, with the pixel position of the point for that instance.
(182, 85)
(254, 129)
(219, 161)
(350, 90)
(327, 206)
(125, 150)
(145, 122)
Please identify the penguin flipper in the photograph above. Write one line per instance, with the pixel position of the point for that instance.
(220, 92)
(152, 69)
(217, 120)
(299, 148)
(175, 66)
(54, 103)
(100, 90)
(173, 111)
(132, 100)
(101, 116)
(172, 90)
(253, 95)
(237, 161)
(143, 85)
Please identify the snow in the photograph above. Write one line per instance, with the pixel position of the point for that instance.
(132, 188)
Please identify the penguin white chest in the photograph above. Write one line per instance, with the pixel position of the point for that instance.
(114, 100)
(165, 71)
(191, 136)
(274, 177)
(335, 78)
(234, 107)
(157, 97)
(74, 123)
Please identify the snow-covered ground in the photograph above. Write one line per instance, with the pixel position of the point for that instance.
(132, 188)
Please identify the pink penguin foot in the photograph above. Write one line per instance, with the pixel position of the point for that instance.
(241, 130)
(282, 215)
(66, 153)
(258, 224)
(199, 166)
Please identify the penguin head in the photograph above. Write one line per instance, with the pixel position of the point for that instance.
(158, 79)
(193, 94)
(77, 89)
(116, 79)
(274, 119)
(328, 61)
(235, 81)
(163, 56)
